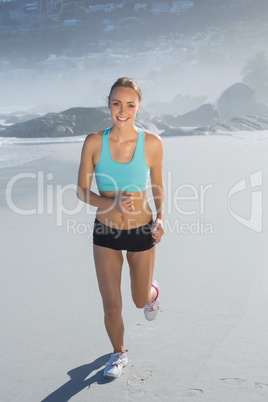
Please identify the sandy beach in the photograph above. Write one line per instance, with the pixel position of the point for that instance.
(209, 342)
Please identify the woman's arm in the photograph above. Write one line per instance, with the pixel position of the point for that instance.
(157, 182)
(158, 188)
(85, 176)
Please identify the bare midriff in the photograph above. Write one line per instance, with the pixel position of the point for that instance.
(141, 215)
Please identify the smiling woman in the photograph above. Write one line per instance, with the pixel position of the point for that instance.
(123, 159)
(124, 105)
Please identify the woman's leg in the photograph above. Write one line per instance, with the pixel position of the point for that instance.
(141, 265)
(108, 264)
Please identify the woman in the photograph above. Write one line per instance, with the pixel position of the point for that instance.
(123, 158)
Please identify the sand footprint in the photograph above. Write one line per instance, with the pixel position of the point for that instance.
(141, 375)
(261, 385)
(257, 385)
(232, 380)
(191, 393)
(134, 390)
(135, 385)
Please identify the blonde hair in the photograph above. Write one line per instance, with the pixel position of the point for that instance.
(126, 82)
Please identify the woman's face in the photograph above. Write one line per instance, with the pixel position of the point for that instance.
(124, 104)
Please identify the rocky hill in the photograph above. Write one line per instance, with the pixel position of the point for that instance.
(236, 109)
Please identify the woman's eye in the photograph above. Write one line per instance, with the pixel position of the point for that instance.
(115, 103)
(131, 105)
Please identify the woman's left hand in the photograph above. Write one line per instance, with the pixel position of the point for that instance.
(157, 230)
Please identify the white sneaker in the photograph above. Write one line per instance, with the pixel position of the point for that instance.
(115, 365)
(151, 309)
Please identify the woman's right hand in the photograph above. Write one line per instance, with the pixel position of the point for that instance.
(124, 203)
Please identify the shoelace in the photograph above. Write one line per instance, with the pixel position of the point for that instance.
(117, 359)
(153, 306)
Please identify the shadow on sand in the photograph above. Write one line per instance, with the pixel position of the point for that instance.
(77, 380)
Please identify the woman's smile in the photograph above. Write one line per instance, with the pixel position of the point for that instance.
(122, 118)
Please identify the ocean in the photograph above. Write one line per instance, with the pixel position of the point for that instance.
(17, 151)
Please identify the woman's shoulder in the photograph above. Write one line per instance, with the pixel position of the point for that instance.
(93, 140)
(93, 137)
(151, 137)
(92, 144)
(153, 140)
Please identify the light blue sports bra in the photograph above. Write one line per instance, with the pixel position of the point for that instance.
(132, 176)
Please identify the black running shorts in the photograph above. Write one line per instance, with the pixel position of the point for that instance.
(137, 239)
